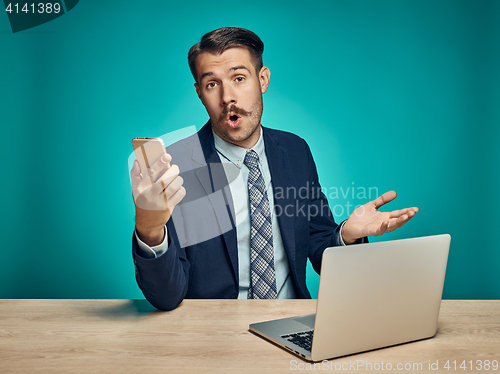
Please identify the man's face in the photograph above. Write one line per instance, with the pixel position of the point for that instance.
(231, 92)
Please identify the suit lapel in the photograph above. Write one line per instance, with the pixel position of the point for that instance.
(214, 182)
(222, 204)
(280, 170)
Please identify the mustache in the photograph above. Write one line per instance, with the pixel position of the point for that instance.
(233, 109)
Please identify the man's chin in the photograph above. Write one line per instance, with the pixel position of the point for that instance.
(236, 139)
(239, 138)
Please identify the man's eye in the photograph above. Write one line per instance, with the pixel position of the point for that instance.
(211, 85)
(240, 79)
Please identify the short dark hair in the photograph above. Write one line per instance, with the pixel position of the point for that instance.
(218, 41)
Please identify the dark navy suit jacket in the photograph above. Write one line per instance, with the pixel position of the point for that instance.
(209, 269)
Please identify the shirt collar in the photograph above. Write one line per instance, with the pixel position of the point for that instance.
(234, 153)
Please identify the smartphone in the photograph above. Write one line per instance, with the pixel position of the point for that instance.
(148, 151)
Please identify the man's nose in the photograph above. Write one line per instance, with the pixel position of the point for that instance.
(228, 95)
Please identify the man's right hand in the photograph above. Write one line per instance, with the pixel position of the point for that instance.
(155, 196)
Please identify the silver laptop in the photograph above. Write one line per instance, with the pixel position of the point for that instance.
(371, 296)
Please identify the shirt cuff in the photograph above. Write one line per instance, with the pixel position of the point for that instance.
(152, 252)
(341, 242)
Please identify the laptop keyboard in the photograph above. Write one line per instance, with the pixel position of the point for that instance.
(302, 339)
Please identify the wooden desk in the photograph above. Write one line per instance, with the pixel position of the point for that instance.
(129, 336)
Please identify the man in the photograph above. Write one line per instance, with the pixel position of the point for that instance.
(263, 236)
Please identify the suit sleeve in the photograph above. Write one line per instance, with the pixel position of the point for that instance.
(163, 280)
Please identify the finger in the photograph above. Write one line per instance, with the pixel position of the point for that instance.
(177, 197)
(398, 213)
(411, 214)
(395, 222)
(173, 187)
(174, 193)
(164, 181)
(383, 228)
(136, 170)
(406, 217)
(135, 175)
(160, 166)
(399, 222)
(384, 199)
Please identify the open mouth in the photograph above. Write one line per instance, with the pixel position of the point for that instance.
(233, 120)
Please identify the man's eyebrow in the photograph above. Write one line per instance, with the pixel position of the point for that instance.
(239, 67)
(206, 75)
(234, 68)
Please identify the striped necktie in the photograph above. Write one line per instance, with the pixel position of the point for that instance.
(262, 275)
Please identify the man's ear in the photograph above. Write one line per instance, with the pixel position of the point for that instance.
(264, 78)
(198, 92)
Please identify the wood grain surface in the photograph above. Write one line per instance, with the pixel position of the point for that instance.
(211, 336)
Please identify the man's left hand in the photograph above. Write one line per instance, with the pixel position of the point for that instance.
(368, 221)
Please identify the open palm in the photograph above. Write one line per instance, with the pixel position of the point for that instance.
(368, 221)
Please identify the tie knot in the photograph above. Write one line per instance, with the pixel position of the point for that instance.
(251, 159)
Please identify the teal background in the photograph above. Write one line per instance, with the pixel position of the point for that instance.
(399, 95)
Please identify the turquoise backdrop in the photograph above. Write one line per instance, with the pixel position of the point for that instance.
(401, 95)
